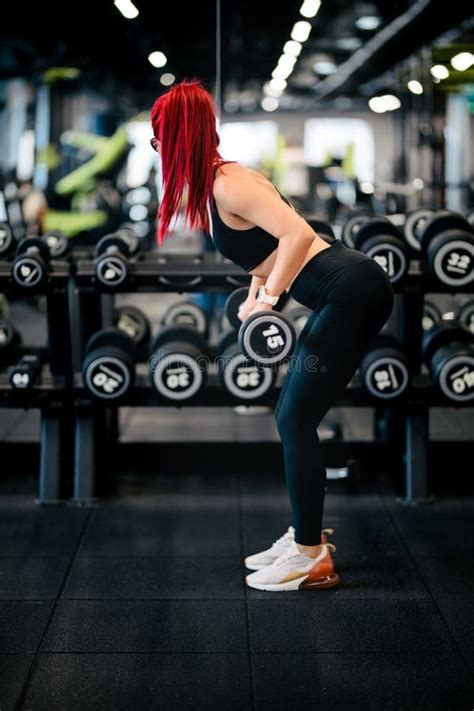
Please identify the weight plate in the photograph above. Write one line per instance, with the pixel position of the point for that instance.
(414, 225)
(130, 238)
(37, 247)
(133, 323)
(386, 377)
(188, 314)
(451, 258)
(391, 258)
(456, 378)
(57, 243)
(107, 377)
(465, 316)
(6, 238)
(28, 272)
(177, 376)
(245, 379)
(231, 308)
(443, 334)
(431, 315)
(377, 228)
(111, 270)
(440, 222)
(351, 228)
(267, 338)
(178, 334)
(111, 338)
(113, 240)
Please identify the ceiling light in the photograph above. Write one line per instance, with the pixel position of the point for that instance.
(439, 71)
(368, 22)
(462, 61)
(324, 67)
(287, 61)
(348, 43)
(127, 8)
(157, 59)
(277, 84)
(269, 103)
(310, 7)
(270, 90)
(381, 104)
(281, 72)
(292, 48)
(167, 79)
(300, 31)
(415, 86)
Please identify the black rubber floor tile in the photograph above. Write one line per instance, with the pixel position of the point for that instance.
(31, 578)
(37, 538)
(140, 532)
(162, 487)
(402, 682)
(147, 626)
(449, 574)
(328, 623)
(155, 578)
(13, 672)
(99, 682)
(469, 657)
(459, 615)
(381, 576)
(22, 624)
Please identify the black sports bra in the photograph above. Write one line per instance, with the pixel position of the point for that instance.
(246, 248)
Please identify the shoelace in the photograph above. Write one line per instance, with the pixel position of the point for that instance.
(289, 552)
(289, 534)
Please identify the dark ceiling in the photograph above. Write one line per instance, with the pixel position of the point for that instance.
(110, 49)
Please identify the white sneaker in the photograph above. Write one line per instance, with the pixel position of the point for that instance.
(268, 556)
(294, 571)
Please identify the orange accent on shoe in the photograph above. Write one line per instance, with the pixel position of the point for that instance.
(322, 574)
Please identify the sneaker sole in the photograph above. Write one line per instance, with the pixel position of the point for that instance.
(329, 581)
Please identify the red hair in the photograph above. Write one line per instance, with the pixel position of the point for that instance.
(184, 121)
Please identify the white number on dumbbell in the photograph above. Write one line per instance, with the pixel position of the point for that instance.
(458, 261)
(108, 384)
(21, 380)
(381, 261)
(462, 381)
(274, 339)
(250, 379)
(177, 380)
(382, 379)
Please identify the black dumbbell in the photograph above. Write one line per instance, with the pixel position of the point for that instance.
(178, 363)
(243, 379)
(188, 314)
(431, 315)
(127, 233)
(9, 340)
(322, 228)
(447, 240)
(267, 338)
(25, 373)
(414, 225)
(383, 242)
(351, 228)
(112, 260)
(108, 368)
(448, 351)
(385, 370)
(465, 315)
(133, 322)
(470, 217)
(30, 266)
(237, 297)
(7, 241)
(298, 316)
(58, 244)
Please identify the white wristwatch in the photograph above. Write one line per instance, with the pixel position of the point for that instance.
(263, 298)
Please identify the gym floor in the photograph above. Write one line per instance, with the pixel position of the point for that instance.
(140, 602)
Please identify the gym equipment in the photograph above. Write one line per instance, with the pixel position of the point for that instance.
(111, 264)
(267, 338)
(431, 315)
(447, 239)
(470, 217)
(108, 368)
(244, 379)
(9, 339)
(414, 224)
(178, 366)
(352, 227)
(383, 242)
(448, 351)
(384, 369)
(25, 373)
(30, 266)
(298, 316)
(187, 313)
(133, 322)
(237, 297)
(57, 243)
(322, 228)
(6, 239)
(465, 316)
(128, 234)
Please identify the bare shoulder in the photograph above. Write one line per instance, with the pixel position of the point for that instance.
(236, 182)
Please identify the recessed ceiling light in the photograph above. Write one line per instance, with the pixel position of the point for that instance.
(368, 22)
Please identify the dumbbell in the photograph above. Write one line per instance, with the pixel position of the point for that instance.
(447, 239)
(58, 244)
(112, 259)
(30, 266)
(352, 227)
(414, 225)
(25, 373)
(448, 351)
(431, 315)
(322, 228)
(9, 340)
(133, 322)
(243, 379)
(470, 217)
(7, 241)
(267, 338)
(465, 316)
(188, 314)
(237, 297)
(178, 363)
(385, 370)
(108, 368)
(298, 316)
(383, 242)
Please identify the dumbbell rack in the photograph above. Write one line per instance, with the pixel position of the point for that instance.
(51, 392)
(185, 274)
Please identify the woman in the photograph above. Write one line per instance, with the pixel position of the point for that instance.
(349, 295)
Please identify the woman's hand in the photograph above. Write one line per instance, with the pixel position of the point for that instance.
(256, 308)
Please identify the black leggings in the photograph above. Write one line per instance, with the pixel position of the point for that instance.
(351, 298)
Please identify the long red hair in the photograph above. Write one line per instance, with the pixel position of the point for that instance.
(184, 121)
